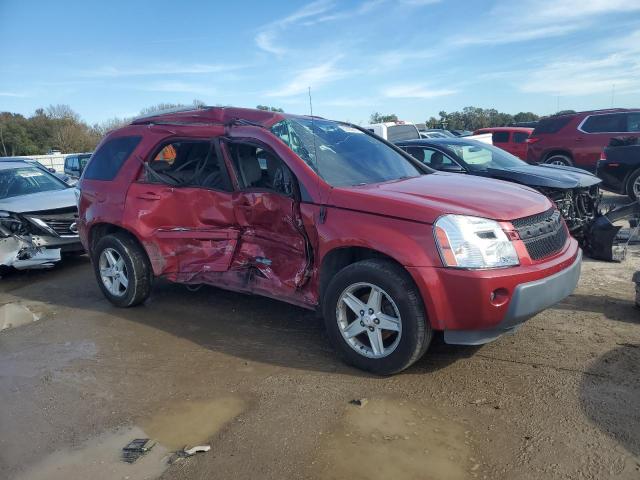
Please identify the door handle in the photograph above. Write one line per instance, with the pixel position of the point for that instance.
(579, 139)
(149, 196)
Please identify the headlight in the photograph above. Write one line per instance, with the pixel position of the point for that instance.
(473, 242)
(76, 192)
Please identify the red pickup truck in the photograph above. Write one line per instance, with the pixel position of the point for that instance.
(510, 139)
(324, 215)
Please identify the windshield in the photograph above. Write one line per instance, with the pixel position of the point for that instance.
(479, 157)
(26, 180)
(343, 155)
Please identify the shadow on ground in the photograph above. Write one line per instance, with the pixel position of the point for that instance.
(251, 327)
(611, 307)
(610, 395)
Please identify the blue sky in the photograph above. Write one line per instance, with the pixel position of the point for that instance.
(409, 57)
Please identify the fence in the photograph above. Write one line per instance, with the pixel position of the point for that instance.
(55, 161)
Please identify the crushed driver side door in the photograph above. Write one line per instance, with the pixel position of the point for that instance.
(273, 245)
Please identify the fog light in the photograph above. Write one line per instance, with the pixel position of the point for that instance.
(499, 297)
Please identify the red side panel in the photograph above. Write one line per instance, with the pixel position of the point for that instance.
(186, 231)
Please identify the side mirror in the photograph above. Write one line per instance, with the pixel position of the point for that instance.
(52, 170)
(452, 168)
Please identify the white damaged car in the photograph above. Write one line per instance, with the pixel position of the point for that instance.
(38, 215)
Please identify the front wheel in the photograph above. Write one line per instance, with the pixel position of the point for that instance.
(122, 270)
(559, 160)
(633, 185)
(375, 318)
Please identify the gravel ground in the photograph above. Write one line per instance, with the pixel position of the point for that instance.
(256, 379)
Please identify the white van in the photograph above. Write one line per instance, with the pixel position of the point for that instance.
(394, 131)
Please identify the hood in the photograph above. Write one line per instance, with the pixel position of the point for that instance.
(39, 201)
(426, 197)
(548, 176)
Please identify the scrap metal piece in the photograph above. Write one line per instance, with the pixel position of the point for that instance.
(602, 233)
(188, 452)
(137, 448)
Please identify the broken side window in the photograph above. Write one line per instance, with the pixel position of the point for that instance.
(258, 168)
(107, 160)
(188, 163)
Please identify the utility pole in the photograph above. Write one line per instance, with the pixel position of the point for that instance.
(613, 93)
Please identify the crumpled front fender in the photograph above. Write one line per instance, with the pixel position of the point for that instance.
(20, 253)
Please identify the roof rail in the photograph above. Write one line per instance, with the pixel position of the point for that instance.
(166, 111)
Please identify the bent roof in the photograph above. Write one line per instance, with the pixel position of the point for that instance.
(218, 115)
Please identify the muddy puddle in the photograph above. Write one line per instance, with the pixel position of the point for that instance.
(395, 439)
(13, 315)
(177, 425)
(191, 422)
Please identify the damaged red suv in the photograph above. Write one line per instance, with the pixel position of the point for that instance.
(324, 215)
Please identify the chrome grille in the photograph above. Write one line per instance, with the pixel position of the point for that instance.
(62, 221)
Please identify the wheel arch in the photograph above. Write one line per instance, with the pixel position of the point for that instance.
(558, 151)
(100, 230)
(340, 257)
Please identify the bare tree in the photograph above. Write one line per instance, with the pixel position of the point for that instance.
(62, 112)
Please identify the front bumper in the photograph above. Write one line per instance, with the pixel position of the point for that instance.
(527, 300)
(477, 306)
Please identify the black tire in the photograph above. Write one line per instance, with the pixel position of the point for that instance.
(559, 159)
(632, 179)
(395, 281)
(137, 266)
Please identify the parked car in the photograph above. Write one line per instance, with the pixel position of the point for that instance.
(326, 216)
(434, 135)
(61, 176)
(74, 165)
(441, 132)
(510, 139)
(393, 131)
(38, 216)
(461, 133)
(619, 167)
(574, 191)
(577, 139)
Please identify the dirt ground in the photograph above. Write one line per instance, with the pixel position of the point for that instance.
(256, 379)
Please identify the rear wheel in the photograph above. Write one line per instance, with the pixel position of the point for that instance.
(122, 270)
(375, 317)
(633, 185)
(558, 159)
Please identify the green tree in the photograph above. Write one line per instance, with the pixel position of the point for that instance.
(14, 136)
(473, 118)
(269, 109)
(380, 118)
(525, 117)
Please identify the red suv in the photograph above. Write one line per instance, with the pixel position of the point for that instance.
(323, 215)
(577, 139)
(510, 139)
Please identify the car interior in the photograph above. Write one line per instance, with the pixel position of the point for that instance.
(189, 163)
(257, 168)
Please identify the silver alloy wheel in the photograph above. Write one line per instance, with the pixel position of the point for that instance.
(113, 272)
(636, 187)
(369, 320)
(558, 162)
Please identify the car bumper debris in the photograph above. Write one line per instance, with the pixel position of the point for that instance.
(22, 254)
